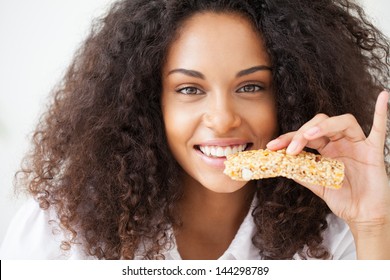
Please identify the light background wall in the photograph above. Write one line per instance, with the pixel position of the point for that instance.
(37, 41)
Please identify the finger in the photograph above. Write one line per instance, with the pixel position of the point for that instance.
(378, 131)
(281, 142)
(318, 144)
(335, 128)
(299, 141)
(285, 140)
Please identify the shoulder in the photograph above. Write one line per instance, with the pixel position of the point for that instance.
(34, 233)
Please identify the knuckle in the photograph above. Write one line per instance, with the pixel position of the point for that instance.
(349, 117)
(321, 116)
(298, 136)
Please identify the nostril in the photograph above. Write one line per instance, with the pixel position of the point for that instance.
(222, 121)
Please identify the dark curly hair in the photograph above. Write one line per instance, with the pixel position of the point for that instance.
(100, 156)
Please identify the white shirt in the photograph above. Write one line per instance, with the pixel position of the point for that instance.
(30, 236)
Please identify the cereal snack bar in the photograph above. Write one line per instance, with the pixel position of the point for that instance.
(306, 167)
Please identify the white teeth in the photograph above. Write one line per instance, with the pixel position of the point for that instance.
(227, 151)
(207, 150)
(218, 151)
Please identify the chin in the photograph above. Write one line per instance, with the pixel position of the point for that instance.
(225, 186)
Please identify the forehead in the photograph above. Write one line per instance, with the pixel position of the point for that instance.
(219, 37)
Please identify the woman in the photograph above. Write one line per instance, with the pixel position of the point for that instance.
(128, 160)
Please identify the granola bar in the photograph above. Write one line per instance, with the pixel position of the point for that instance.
(305, 167)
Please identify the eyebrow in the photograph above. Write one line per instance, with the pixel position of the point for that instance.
(197, 74)
(192, 73)
(253, 69)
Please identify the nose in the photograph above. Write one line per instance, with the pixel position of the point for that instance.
(221, 115)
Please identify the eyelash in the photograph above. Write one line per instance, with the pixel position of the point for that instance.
(255, 88)
(198, 91)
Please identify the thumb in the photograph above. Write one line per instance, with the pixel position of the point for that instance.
(378, 131)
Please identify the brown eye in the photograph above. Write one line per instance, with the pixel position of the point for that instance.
(189, 91)
(250, 88)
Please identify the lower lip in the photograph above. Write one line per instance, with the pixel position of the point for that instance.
(216, 162)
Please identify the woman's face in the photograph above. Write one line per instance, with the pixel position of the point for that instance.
(217, 96)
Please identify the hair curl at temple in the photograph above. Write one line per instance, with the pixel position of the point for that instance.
(100, 157)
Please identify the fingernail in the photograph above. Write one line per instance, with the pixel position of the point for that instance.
(312, 131)
(273, 143)
(292, 147)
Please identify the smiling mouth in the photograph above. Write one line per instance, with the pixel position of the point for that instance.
(222, 151)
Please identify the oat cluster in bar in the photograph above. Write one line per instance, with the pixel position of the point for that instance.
(306, 167)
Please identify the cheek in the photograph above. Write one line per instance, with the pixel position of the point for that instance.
(170, 122)
(263, 121)
(178, 121)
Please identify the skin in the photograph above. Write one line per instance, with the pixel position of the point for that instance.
(206, 106)
(223, 98)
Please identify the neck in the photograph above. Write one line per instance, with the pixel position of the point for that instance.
(203, 204)
(211, 218)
